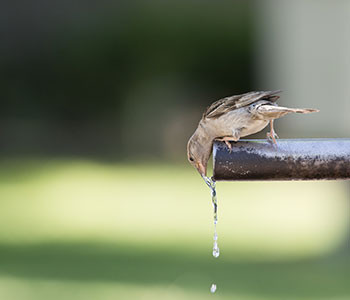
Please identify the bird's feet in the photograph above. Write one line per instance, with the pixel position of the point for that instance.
(228, 144)
(272, 136)
(227, 140)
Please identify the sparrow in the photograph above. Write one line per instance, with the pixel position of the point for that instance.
(231, 118)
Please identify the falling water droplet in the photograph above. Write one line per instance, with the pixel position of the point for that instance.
(216, 250)
(213, 288)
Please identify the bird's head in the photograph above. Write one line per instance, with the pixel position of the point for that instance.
(198, 152)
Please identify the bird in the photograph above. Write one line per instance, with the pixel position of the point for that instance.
(231, 118)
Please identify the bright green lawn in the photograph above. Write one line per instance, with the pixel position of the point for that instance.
(85, 230)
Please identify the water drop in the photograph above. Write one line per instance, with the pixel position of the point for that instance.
(216, 250)
(213, 288)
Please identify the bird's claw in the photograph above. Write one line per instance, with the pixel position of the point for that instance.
(229, 146)
(226, 141)
(272, 136)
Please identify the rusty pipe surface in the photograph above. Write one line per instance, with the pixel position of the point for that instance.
(302, 159)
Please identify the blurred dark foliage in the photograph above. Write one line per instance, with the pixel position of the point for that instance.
(101, 79)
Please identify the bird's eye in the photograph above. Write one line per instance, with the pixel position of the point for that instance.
(191, 159)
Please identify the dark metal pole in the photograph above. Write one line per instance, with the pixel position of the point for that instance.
(304, 159)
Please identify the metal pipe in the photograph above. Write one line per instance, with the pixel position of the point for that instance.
(302, 159)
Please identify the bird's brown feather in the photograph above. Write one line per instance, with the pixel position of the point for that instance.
(222, 106)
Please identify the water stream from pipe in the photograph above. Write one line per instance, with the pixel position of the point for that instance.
(216, 251)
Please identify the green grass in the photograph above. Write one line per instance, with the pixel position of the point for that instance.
(85, 230)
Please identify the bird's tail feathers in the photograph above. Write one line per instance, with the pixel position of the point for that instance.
(301, 110)
(272, 111)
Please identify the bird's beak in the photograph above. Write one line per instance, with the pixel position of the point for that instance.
(201, 169)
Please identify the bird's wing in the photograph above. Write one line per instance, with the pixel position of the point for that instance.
(222, 106)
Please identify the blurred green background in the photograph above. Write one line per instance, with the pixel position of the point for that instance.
(98, 100)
